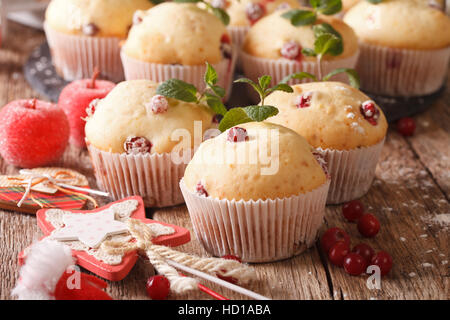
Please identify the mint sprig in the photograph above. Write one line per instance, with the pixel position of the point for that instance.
(375, 1)
(183, 91)
(252, 113)
(299, 17)
(218, 12)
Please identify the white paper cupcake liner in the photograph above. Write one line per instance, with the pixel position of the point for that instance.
(136, 69)
(76, 57)
(255, 67)
(154, 177)
(238, 34)
(402, 72)
(257, 231)
(351, 171)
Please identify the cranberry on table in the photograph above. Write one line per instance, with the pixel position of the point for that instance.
(365, 251)
(368, 225)
(331, 236)
(158, 287)
(354, 264)
(353, 210)
(406, 126)
(237, 134)
(338, 252)
(384, 261)
(33, 133)
(78, 100)
(229, 279)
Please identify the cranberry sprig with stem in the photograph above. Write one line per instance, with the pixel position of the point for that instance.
(218, 12)
(183, 91)
(252, 113)
(302, 17)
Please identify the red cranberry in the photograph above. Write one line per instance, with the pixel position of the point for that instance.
(200, 189)
(291, 50)
(338, 252)
(237, 134)
(370, 112)
(365, 251)
(137, 145)
(354, 264)
(90, 29)
(90, 110)
(384, 261)
(158, 104)
(229, 279)
(353, 210)
(225, 38)
(333, 235)
(368, 225)
(406, 126)
(304, 101)
(254, 11)
(158, 287)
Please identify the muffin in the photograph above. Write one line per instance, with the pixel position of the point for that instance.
(85, 34)
(343, 125)
(133, 137)
(405, 46)
(273, 46)
(244, 13)
(256, 191)
(159, 51)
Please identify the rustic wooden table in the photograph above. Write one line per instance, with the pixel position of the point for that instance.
(410, 196)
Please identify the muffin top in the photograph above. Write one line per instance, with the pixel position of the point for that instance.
(176, 33)
(102, 18)
(403, 24)
(330, 115)
(224, 169)
(133, 119)
(269, 35)
(244, 13)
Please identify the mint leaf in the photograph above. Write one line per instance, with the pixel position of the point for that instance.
(300, 17)
(221, 14)
(299, 76)
(264, 82)
(178, 89)
(218, 91)
(375, 1)
(156, 1)
(353, 76)
(260, 113)
(314, 3)
(216, 104)
(210, 75)
(320, 29)
(232, 118)
(280, 87)
(253, 84)
(329, 7)
(328, 44)
(309, 52)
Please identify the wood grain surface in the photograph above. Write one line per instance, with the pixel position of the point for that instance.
(411, 189)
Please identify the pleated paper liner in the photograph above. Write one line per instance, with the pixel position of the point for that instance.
(136, 69)
(238, 34)
(76, 56)
(402, 72)
(352, 171)
(154, 177)
(257, 231)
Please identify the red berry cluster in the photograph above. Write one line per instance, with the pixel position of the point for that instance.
(336, 243)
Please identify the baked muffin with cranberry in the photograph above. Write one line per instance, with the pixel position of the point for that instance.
(343, 125)
(244, 13)
(84, 34)
(139, 141)
(158, 51)
(405, 46)
(273, 46)
(256, 191)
